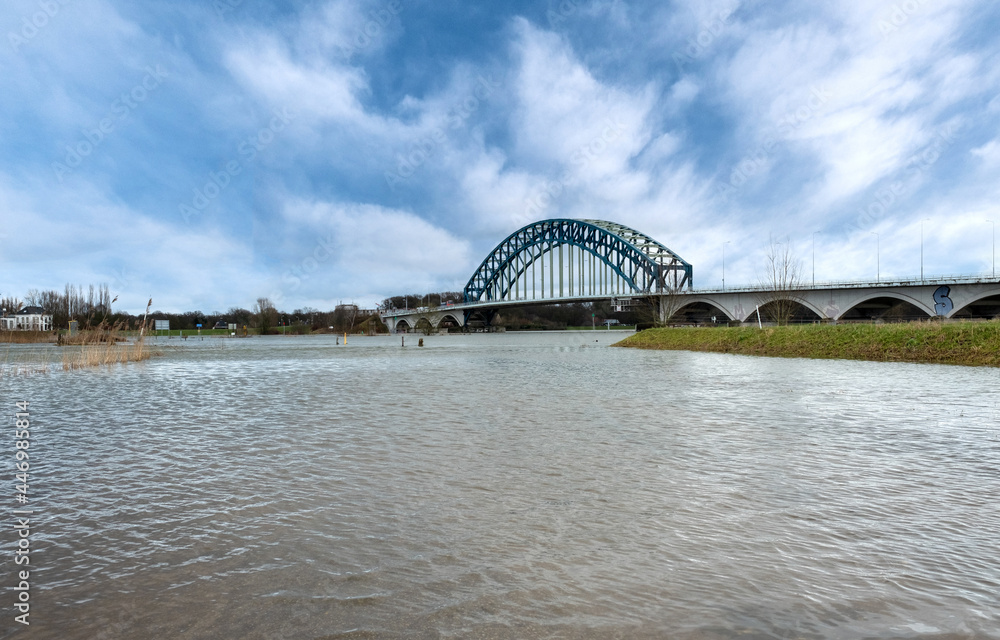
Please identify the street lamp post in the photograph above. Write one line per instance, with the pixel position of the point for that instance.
(878, 257)
(724, 264)
(814, 257)
(994, 247)
(922, 249)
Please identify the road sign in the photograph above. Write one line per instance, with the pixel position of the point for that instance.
(161, 325)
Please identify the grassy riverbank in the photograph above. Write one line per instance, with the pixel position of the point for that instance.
(965, 343)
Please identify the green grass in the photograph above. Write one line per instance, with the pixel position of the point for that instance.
(964, 343)
(601, 327)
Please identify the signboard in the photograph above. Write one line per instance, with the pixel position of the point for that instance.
(232, 326)
(161, 325)
(198, 325)
(621, 304)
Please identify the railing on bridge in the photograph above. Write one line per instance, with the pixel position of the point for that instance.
(909, 281)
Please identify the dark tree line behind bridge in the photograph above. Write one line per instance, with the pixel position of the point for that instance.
(91, 307)
(538, 317)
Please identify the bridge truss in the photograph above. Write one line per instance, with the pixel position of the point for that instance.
(566, 258)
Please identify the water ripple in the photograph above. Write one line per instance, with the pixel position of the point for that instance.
(518, 486)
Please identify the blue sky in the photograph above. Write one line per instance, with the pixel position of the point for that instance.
(208, 153)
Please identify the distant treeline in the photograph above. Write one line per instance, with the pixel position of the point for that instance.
(92, 307)
(267, 319)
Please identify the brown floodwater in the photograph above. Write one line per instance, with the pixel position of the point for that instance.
(505, 486)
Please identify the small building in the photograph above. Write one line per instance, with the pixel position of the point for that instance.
(27, 319)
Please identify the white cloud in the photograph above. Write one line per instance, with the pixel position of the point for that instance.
(562, 109)
(138, 257)
(326, 91)
(884, 96)
(989, 153)
(388, 249)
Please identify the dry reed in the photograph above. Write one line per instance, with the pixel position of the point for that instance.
(27, 337)
(105, 346)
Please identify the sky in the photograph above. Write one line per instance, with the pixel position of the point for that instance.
(204, 154)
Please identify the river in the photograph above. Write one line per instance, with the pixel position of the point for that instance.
(531, 485)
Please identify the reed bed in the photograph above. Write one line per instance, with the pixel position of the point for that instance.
(93, 336)
(105, 346)
(105, 354)
(27, 337)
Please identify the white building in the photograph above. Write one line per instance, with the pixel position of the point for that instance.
(27, 319)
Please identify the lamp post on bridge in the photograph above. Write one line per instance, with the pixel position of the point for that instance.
(724, 264)
(814, 257)
(994, 247)
(922, 249)
(878, 257)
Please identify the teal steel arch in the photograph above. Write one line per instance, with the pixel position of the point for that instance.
(610, 259)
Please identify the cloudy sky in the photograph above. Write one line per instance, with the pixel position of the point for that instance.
(207, 153)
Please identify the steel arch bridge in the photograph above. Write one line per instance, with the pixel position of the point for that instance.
(566, 258)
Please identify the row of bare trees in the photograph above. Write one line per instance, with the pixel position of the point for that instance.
(90, 306)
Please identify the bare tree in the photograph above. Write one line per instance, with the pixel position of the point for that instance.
(424, 325)
(265, 314)
(780, 282)
(11, 304)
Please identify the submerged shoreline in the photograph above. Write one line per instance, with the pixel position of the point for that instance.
(961, 343)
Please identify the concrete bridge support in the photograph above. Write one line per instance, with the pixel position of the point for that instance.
(412, 317)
